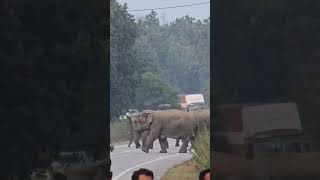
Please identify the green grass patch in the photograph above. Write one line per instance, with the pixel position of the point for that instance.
(201, 154)
(186, 171)
(119, 131)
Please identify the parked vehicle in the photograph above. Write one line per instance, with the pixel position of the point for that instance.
(132, 112)
(122, 117)
(191, 102)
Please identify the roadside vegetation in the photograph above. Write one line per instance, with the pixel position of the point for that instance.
(201, 153)
(119, 131)
(186, 171)
(190, 170)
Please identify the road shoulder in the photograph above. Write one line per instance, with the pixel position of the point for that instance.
(186, 170)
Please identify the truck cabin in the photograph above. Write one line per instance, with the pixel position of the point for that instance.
(196, 107)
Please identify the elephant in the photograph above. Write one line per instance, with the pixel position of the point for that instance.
(171, 123)
(136, 133)
(201, 120)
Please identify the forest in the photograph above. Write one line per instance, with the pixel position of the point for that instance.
(150, 62)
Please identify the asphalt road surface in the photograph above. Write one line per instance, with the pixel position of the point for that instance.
(125, 160)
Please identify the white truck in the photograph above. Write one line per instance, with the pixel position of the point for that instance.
(192, 102)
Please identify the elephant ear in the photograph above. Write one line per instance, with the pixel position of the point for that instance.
(148, 117)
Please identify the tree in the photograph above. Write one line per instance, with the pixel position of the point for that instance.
(152, 91)
(178, 52)
(123, 64)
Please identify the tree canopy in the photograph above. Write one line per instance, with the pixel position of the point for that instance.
(174, 56)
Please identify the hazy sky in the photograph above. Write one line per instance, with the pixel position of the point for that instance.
(199, 11)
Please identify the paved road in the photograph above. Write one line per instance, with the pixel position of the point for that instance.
(126, 160)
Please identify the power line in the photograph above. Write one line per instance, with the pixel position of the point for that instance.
(170, 7)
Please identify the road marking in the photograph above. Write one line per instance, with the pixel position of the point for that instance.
(142, 164)
(125, 152)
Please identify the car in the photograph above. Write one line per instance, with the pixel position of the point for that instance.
(132, 112)
(122, 117)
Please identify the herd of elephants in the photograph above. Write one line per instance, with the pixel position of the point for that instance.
(150, 125)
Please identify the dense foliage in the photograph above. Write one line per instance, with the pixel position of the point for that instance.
(151, 63)
(152, 91)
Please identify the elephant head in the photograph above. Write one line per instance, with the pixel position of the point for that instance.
(142, 121)
(139, 128)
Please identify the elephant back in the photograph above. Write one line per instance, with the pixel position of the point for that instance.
(172, 115)
(202, 118)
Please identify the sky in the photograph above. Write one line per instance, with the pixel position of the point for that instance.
(201, 11)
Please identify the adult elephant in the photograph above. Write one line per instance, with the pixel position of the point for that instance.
(173, 124)
(201, 121)
(137, 132)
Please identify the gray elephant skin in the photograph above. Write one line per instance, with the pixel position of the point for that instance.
(136, 132)
(175, 124)
(201, 121)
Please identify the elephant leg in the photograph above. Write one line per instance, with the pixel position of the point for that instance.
(166, 143)
(136, 140)
(184, 146)
(177, 142)
(153, 135)
(144, 139)
(163, 145)
(130, 142)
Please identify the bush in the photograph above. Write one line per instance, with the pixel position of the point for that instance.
(119, 131)
(201, 153)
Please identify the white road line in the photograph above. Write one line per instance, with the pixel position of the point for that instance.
(142, 164)
(125, 152)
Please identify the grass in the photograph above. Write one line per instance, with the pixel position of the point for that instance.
(186, 171)
(119, 131)
(190, 170)
(201, 154)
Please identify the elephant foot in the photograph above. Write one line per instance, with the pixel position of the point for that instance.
(138, 146)
(151, 147)
(146, 150)
(183, 151)
(163, 151)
